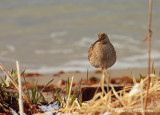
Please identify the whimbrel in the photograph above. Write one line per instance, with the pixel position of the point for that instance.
(102, 53)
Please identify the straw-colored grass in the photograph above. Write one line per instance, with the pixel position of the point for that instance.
(129, 99)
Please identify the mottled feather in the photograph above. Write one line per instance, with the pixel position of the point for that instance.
(102, 53)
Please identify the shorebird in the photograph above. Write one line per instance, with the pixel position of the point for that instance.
(102, 53)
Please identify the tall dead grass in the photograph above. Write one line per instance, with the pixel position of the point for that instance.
(129, 99)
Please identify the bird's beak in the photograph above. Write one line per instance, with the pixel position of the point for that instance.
(97, 41)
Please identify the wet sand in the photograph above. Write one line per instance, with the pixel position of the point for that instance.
(44, 79)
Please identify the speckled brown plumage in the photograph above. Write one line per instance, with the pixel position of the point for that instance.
(102, 53)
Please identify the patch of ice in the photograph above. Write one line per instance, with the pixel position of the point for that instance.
(136, 89)
(50, 107)
(13, 111)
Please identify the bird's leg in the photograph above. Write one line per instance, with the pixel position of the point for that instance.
(105, 73)
(102, 81)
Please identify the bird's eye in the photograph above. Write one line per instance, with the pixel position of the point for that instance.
(103, 37)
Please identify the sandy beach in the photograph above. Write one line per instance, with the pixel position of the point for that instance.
(43, 79)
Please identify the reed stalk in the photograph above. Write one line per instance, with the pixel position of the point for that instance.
(148, 38)
(20, 90)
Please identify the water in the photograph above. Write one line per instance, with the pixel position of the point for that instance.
(47, 36)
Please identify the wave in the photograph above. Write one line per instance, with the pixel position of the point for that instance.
(84, 42)
(53, 51)
(7, 49)
(58, 34)
(54, 69)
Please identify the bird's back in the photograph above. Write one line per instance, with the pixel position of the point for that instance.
(102, 55)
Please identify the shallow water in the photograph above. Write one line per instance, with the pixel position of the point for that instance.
(52, 35)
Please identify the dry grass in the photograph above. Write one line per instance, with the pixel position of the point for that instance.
(129, 99)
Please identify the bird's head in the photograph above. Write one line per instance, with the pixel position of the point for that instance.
(102, 38)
